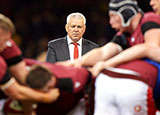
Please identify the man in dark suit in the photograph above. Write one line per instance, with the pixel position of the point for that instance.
(63, 48)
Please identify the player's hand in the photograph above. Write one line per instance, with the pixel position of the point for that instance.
(97, 68)
(52, 95)
(74, 63)
(65, 63)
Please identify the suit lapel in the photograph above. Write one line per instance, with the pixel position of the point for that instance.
(84, 46)
(65, 49)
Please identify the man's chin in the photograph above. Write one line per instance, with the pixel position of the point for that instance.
(75, 38)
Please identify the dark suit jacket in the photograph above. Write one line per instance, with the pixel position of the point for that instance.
(58, 49)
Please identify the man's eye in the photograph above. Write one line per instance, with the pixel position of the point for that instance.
(73, 26)
(79, 26)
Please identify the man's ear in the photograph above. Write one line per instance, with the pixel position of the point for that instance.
(84, 28)
(66, 27)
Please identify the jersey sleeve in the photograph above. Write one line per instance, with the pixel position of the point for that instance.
(150, 21)
(12, 54)
(75, 83)
(65, 84)
(120, 39)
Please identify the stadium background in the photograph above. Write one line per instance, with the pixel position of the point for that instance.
(38, 21)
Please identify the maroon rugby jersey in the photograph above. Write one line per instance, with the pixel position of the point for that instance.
(79, 76)
(4, 76)
(12, 54)
(149, 20)
(67, 100)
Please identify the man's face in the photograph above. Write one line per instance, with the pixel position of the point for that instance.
(115, 21)
(155, 6)
(50, 85)
(4, 36)
(75, 29)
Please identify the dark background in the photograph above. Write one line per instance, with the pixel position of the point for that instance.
(38, 21)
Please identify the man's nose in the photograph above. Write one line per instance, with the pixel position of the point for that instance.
(76, 28)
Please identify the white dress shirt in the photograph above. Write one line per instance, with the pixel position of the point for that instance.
(71, 48)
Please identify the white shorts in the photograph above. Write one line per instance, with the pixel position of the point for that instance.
(122, 96)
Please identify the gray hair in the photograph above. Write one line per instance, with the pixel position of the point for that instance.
(76, 15)
(6, 24)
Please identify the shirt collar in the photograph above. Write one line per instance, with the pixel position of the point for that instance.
(70, 41)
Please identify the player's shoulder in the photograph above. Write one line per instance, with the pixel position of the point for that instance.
(150, 14)
(150, 17)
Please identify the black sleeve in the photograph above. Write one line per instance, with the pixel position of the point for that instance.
(120, 40)
(149, 25)
(14, 60)
(65, 84)
(5, 78)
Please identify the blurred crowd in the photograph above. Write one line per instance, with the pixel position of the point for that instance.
(38, 21)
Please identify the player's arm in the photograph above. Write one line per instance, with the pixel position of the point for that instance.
(149, 49)
(100, 54)
(144, 50)
(16, 91)
(153, 45)
(19, 71)
(132, 53)
(117, 44)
